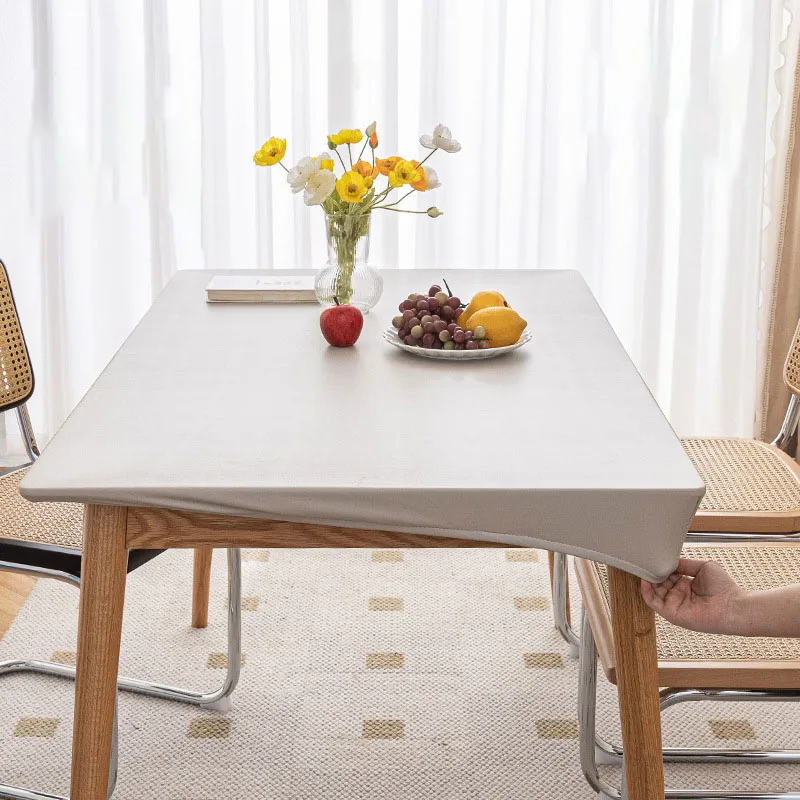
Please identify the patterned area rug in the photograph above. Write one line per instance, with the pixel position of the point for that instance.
(403, 675)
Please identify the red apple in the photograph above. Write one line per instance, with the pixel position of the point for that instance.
(341, 325)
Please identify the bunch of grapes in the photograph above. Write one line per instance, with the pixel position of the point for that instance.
(431, 321)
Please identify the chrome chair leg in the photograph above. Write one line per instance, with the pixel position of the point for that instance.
(594, 749)
(218, 700)
(560, 582)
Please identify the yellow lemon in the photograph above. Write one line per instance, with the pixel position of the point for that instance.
(503, 325)
(486, 299)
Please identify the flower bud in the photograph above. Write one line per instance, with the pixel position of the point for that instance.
(373, 140)
(434, 212)
(331, 145)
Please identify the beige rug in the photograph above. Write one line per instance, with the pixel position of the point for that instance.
(396, 675)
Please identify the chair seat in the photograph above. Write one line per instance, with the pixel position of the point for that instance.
(751, 486)
(45, 535)
(687, 659)
(54, 524)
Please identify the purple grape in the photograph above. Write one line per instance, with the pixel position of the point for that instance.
(428, 340)
(447, 312)
(452, 328)
(470, 345)
(429, 327)
(459, 345)
(439, 326)
(444, 336)
(407, 314)
(399, 321)
(401, 335)
(468, 335)
(410, 340)
(406, 304)
(459, 336)
(433, 303)
(413, 321)
(434, 289)
(405, 331)
(435, 317)
(458, 312)
(438, 344)
(422, 305)
(454, 302)
(417, 331)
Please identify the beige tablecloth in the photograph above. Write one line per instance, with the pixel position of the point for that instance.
(244, 409)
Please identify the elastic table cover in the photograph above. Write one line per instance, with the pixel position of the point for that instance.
(245, 410)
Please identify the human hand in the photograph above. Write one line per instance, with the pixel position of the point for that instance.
(700, 596)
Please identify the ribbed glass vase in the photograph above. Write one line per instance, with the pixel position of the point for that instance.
(347, 277)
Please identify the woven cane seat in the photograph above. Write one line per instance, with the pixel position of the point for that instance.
(691, 659)
(53, 524)
(16, 375)
(744, 476)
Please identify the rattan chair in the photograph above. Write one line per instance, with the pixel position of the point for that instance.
(694, 666)
(45, 540)
(752, 492)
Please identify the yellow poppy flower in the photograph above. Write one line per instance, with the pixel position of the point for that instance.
(271, 152)
(404, 172)
(351, 187)
(386, 165)
(326, 163)
(346, 136)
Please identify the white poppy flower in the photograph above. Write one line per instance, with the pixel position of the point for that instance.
(431, 178)
(442, 139)
(370, 129)
(318, 187)
(299, 174)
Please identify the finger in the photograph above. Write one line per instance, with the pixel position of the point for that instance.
(651, 596)
(690, 567)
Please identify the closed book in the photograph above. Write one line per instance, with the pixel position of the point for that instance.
(261, 289)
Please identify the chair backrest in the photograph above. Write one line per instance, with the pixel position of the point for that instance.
(16, 375)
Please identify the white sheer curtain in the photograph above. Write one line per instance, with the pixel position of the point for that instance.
(624, 139)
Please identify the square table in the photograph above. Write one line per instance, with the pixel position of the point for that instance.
(227, 425)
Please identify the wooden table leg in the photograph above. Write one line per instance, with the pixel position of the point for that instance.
(637, 683)
(201, 586)
(103, 572)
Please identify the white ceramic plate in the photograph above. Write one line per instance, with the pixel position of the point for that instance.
(390, 335)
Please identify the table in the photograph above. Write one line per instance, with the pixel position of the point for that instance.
(237, 426)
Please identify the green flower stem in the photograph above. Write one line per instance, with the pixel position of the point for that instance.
(397, 202)
(401, 210)
(344, 232)
(340, 159)
(350, 155)
(427, 156)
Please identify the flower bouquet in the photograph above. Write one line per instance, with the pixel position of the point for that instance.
(349, 199)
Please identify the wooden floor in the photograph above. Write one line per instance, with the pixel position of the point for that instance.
(14, 590)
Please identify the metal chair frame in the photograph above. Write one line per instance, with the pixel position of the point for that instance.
(218, 700)
(595, 750)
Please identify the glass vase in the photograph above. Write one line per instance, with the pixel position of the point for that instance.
(347, 277)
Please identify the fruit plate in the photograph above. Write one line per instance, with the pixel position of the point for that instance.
(390, 335)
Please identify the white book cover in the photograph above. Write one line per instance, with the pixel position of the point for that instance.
(261, 288)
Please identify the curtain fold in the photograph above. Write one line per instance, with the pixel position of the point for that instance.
(780, 280)
(623, 139)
